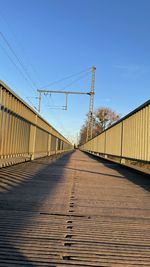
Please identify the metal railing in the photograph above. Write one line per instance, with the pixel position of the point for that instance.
(128, 140)
(24, 134)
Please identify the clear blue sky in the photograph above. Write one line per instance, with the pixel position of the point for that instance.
(57, 38)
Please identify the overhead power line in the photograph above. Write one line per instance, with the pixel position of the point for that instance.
(65, 78)
(91, 106)
(13, 62)
(76, 80)
(19, 61)
(23, 52)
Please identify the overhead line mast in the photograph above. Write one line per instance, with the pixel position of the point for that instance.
(91, 106)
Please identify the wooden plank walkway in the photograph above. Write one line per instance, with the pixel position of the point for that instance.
(76, 211)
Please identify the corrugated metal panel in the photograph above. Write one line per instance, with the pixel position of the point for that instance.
(129, 138)
(113, 140)
(24, 134)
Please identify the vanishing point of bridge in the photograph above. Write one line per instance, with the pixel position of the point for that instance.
(63, 207)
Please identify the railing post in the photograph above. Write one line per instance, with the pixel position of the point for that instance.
(32, 139)
(148, 134)
(105, 156)
(122, 160)
(49, 145)
(0, 123)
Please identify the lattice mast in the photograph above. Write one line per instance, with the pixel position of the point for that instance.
(91, 107)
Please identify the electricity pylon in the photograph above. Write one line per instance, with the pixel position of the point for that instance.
(91, 106)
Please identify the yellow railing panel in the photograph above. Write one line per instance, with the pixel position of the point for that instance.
(127, 139)
(24, 134)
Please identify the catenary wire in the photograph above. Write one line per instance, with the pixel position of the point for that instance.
(18, 59)
(19, 43)
(65, 78)
(12, 61)
(76, 80)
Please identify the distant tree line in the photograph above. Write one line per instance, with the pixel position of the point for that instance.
(102, 118)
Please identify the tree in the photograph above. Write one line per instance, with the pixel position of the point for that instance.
(102, 119)
(83, 134)
(105, 117)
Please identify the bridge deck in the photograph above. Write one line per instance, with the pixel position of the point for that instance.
(76, 211)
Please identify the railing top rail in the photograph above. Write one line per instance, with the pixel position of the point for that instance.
(7, 88)
(147, 103)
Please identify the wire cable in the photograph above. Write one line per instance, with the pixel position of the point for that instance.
(18, 59)
(57, 119)
(76, 80)
(19, 44)
(66, 78)
(21, 72)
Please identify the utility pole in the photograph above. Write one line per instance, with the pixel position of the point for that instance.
(40, 98)
(91, 107)
(59, 92)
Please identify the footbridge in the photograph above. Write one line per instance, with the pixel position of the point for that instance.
(62, 207)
